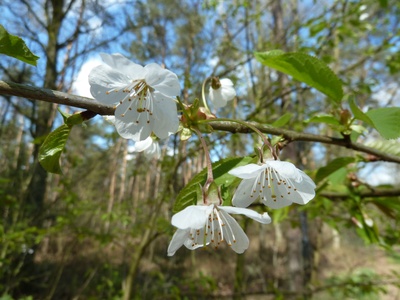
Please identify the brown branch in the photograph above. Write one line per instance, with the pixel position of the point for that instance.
(30, 92)
(34, 93)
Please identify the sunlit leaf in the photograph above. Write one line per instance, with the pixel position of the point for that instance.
(14, 46)
(358, 113)
(305, 68)
(52, 147)
(333, 166)
(188, 195)
(389, 147)
(387, 121)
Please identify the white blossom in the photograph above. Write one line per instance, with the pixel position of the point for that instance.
(150, 147)
(221, 91)
(143, 96)
(276, 183)
(202, 225)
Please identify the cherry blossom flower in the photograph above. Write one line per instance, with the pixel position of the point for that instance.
(277, 183)
(150, 147)
(143, 96)
(221, 91)
(202, 225)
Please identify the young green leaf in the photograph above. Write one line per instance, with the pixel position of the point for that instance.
(283, 120)
(333, 166)
(52, 147)
(305, 68)
(387, 121)
(14, 46)
(64, 115)
(324, 118)
(75, 119)
(188, 195)
(358, 114)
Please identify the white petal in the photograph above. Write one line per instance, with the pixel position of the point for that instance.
(102, 79)
(248, 171)
(305, 189)
(285, 169)
(234, 234)
(143, 145)
(162, 80)
(165, 115)
(262, 218)
(123, 65)
(193, 216)
(131, 124)
(228, 93)
(283, 191)
(177, 241)
(225, 93)
(197, 239)
(153, 151)
(275, 200)
(245, 195)
(216, 98)
(226, 82)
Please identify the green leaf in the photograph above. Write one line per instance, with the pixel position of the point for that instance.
(333, 166)
(367, 231)
(390, 147)
(358, 114)
(64, 115)
(185, 133)
(324, 118)
(283, 120)
(383, 3)
(52, 147)
(14, 46)
(305, 68)
(75, 119)
(188, 195)
(318, 27)
(387, 121)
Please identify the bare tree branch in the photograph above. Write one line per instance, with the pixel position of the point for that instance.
(35, 93)
(30, 92)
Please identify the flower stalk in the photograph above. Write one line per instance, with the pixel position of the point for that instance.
(203, 94)
(210, 176)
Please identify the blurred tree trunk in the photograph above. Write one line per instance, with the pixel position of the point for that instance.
(36, 192)
(42, 122)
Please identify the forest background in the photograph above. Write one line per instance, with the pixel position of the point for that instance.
(101, 229)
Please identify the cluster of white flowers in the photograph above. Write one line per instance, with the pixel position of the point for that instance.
(145, 111)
